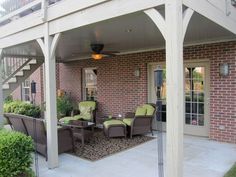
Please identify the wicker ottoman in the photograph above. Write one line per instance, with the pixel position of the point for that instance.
(114, 128)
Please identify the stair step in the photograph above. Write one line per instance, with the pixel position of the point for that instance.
(27, 67)
(20, 73)
(12, 80)
(6, 86)
(33, 61)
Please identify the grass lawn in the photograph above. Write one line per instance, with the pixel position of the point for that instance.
(231, 172)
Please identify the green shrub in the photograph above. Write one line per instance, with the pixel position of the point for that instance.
(15, 154)
(64, 106)
(8, 99)
(19, 107)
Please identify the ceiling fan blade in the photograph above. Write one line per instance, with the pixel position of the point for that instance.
(109, 51)
(108, 54)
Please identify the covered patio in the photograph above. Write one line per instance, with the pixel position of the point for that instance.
(201, 158)
(167, 26)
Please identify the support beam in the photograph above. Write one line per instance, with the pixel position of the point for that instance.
(41, 44)
(188, 13)
(211, 12)
(54, 44)
(1, 92)
(49, 46)
(175, 88)
(158, 19)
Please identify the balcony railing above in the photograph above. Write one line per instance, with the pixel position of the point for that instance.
(11, 10)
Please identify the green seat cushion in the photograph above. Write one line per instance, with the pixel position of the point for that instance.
(84, 117)
(128, 121)
(67, 119)
(109, 123)
(150, 109)
(140, 111)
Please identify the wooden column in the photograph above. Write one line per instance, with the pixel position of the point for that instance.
(50, 91)
(175, 88)
(1, 91)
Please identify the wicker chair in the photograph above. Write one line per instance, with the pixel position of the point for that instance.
(87, 112)
(139, 124)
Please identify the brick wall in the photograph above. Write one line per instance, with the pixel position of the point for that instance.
(120, 91)
(37, 76)
(222, 89)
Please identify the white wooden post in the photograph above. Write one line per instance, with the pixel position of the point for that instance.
(175, 88)
(51, 111)
(1, 91)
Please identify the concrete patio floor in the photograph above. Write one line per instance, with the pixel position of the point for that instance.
(202, 158)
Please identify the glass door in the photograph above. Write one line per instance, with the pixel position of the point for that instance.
(196, 75)
(197, 99)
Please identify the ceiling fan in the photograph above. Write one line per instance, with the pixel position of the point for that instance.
(98, 53)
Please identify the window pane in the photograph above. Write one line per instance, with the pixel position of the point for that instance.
(194, 95)
(90, 84)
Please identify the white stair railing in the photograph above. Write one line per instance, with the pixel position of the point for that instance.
(11, 10)
(11, 66)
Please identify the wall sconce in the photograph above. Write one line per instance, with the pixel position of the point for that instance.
(137, 72)
(224, 69)
(33, 91)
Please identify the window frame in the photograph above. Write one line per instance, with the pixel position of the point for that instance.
(84, 85)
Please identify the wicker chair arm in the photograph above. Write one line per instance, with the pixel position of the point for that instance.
(75, 112)
(130, 115)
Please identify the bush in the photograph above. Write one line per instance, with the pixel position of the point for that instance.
(64, 106)
(15, 154)
(8, 99)
(19, 107)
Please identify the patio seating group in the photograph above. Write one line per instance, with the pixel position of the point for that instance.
(136, 123)
(139, 122)
(81, 126)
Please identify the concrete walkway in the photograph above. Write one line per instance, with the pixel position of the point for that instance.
(202, 158)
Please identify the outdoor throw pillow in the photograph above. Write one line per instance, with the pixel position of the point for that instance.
(140, 111)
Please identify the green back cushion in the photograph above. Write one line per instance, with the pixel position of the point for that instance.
(87, 104)
(86, 108)
(140, 111)
(150, 109)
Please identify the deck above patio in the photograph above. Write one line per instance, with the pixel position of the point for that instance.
(64, 15)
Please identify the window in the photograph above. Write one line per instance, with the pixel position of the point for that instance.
(90, 84)
(26, 90)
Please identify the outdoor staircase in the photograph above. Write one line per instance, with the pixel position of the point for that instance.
(15, 71)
